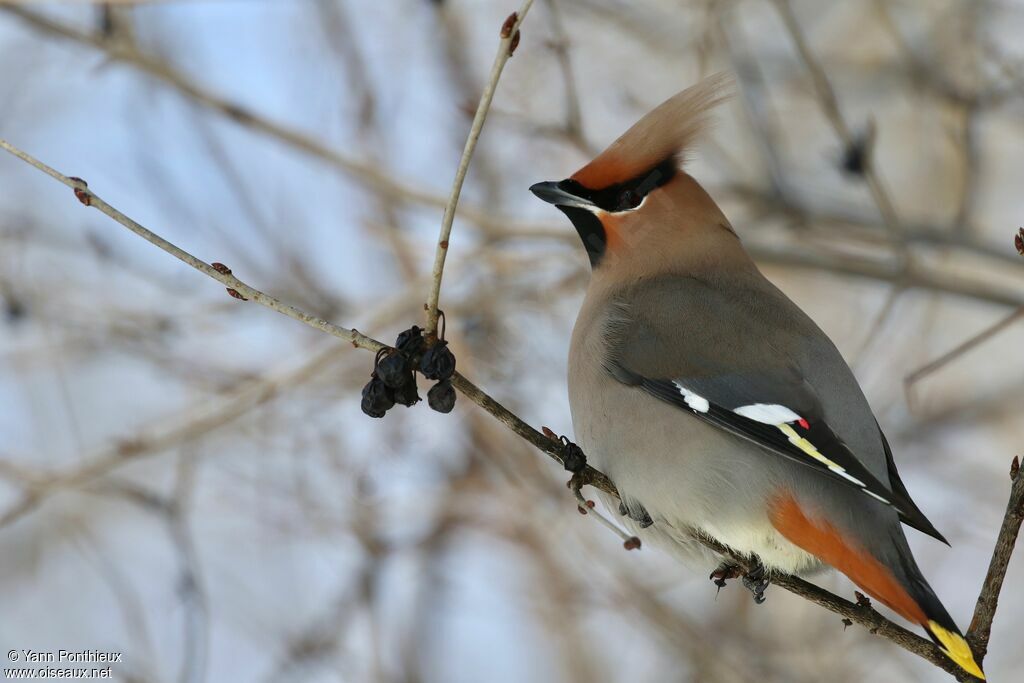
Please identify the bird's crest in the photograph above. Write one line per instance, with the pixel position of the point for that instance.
(666, 132)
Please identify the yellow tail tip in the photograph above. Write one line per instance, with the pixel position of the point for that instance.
(956, 648)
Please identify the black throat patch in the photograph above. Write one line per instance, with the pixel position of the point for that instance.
(590, 230)
(624, 196)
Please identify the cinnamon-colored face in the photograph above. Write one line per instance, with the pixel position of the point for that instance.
(596, 212)
(653, 212)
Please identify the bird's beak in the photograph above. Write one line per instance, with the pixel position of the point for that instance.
(552, 194)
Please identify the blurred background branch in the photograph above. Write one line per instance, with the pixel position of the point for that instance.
(323, 546)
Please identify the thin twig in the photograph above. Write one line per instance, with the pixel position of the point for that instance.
(506, 45)
(830, 106)
(222, 275)
(985, 610)
(572, 129)
(920, 276)
(586, 507)
(962, 348)
(166, 433)
(553, 448)
(360, 171)
(877, 325)
(850, 222)
(370, 174)
(353, 336)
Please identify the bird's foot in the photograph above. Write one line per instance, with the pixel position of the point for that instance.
(756, 581)
(725, 571)
(573, 459)
(572, 456)
(637, 513)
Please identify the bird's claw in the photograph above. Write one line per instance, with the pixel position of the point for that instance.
(723, 573)
(572, 456)
(756, 581)
(637, 513)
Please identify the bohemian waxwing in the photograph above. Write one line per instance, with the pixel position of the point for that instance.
(711, 400)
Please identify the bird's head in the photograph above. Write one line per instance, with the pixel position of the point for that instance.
(634, 195)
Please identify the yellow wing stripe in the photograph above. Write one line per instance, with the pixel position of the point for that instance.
(807, 447)
(957, 649)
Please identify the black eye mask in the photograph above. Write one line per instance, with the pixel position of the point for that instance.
(627, 195)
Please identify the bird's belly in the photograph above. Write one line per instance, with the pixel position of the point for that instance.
(687, 475)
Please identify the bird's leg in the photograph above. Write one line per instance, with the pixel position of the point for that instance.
(637, 513)
(725, 571)
(573, 459)
(756, 581)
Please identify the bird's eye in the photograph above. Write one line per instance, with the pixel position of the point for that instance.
(628, 199)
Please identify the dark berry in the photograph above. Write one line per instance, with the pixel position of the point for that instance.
(377, 398)
(393, 369)
(573, 458)
(441, 397)
(14, 310)
(855, 157)
(406, 394)
(438, 361)
(410, 342)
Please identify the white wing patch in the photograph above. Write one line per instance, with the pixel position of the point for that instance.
(780, 417)
(698, 403)
(767, 413)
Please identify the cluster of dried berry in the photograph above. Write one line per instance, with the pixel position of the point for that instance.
(394, 377)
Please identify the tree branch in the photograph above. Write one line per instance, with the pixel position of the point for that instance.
(506, 46)
(370, 175)
(985, 610)
(866, 616)
(860, 613)
(247, 292)
(975, 340)
(221, 273)
(358, 170)
(829, 104)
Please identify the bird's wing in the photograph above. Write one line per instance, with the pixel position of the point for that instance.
(737, 359)
(900, 489)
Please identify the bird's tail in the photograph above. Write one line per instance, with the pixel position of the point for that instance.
(931, 613)
(953, 645)
(942, 628)
(912, 598)
(891, 576)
